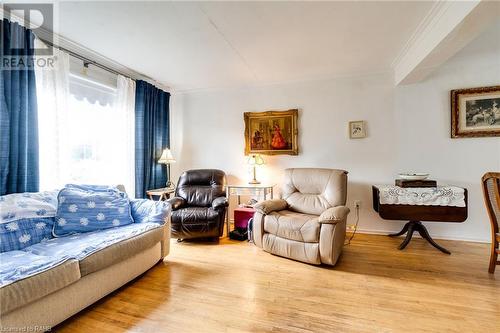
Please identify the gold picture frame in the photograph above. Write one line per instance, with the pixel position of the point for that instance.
(357, 129)
(475, 112)
(271, 132)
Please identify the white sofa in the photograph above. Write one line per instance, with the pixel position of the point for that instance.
(44, 300)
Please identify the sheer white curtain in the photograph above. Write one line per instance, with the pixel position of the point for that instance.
(86, 127)
(125, 101)
(52, 88)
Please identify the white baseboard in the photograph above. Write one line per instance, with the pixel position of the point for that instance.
(385, 232)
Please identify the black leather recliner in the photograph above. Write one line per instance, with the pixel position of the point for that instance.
(200, 204)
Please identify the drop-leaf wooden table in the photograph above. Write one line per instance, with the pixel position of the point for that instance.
(415, 214)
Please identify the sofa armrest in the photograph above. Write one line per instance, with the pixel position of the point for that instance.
(269, 206)
(176, 202)
(220, 202)
(334, 214)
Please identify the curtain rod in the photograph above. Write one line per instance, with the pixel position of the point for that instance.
(90, 61)
(85, 60)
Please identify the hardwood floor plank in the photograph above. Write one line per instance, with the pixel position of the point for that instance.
(236, 287)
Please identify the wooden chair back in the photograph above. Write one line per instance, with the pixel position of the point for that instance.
(491, 191)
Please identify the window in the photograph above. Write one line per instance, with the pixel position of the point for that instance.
(86, 134)
(95, 127)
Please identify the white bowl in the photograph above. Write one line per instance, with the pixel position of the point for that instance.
(413, 175)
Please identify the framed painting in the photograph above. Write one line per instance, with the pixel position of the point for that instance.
(475, 112)
(357, 129)
(271, 132)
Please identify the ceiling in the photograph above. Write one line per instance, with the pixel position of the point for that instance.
(202, 45)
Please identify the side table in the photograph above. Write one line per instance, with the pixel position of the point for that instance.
(415, 214)
(266, 190)
(161, 193)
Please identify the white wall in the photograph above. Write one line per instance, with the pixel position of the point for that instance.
(423, 122)
(408, 129)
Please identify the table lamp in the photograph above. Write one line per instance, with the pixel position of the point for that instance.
(255, 160)
(167, 158)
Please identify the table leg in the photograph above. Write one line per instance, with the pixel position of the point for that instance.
(422, 230)
(402, 232)
(409, 234)
(272, 193)
(265, 194)
(417, 226)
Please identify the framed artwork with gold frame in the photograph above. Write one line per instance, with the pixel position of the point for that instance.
(357, 129)
(475, 112)
(271, 132)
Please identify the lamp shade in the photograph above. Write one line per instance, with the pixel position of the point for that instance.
(166, 157)
(255, 160)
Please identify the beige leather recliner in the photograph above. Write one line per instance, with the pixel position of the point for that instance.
(309, 222)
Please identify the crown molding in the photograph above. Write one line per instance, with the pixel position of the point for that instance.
(430, 19)
(255, 85)
(448, 27)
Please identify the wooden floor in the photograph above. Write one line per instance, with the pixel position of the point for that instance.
(237, 287)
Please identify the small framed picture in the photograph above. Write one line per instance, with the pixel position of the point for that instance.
(357, 129)
(475, 112)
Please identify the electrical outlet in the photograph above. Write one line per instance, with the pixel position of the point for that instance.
(357, 203)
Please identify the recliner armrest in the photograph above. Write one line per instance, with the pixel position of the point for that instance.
(269, 206)
(176, 202)
(334, 214)
(220, 202)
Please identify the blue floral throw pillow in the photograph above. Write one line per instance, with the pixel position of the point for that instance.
(84, 209)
